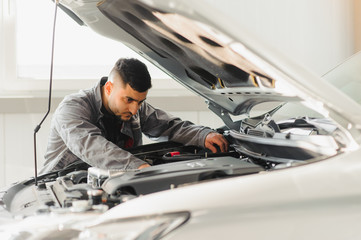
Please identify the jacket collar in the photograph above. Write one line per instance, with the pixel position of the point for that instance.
(97, 90)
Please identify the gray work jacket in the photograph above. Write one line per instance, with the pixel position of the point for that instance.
(77, 132)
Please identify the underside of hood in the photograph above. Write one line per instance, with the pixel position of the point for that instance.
(198, 55)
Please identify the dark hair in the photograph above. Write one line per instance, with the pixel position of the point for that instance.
(133, 72)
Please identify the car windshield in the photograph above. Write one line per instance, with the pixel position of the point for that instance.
(347, 77)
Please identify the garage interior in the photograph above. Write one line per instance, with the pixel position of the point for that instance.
(319, 34)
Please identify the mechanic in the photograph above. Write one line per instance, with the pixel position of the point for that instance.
(98, 125)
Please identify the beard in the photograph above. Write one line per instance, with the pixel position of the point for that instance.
(125, 116)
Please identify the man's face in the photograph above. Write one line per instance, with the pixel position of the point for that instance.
(123, 100)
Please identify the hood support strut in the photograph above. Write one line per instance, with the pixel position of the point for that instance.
(224, 116)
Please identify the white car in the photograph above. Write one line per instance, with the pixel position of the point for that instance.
(293, 170)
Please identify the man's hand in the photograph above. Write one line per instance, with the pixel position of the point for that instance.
(145, 165)
(216, 139)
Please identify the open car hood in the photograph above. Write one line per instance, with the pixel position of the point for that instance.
(198, 47)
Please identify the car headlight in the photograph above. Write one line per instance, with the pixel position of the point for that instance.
(142, 227)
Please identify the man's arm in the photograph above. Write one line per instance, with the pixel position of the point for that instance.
(158, 123)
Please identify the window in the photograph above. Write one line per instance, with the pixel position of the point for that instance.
(80, 53)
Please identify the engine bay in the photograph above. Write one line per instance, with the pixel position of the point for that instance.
(259, 146)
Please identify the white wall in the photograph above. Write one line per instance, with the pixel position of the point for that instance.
(2, 151)
(18, 145)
